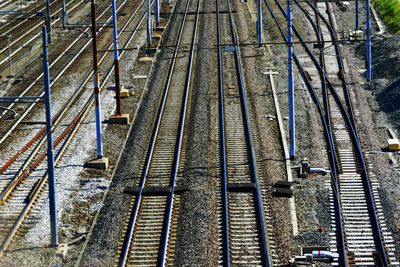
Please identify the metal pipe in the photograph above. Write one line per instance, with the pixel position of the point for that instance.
(9, 110)
(96, 85)
(116, 57)
(149, 24)
(50, 155)
(368, 52)
(292, 123)
(259, 22)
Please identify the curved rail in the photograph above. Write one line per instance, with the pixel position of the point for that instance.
(331, 144)
(349, 119)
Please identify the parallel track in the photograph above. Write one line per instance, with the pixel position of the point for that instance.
(244, 235)
(151, 227)
(61, 64)
(23, 180)
(25, 34)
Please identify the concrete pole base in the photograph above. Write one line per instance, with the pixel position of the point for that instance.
(124, 93)
(100, 164)
(119, 119)
(160, 28)
(146, 59)
(156, 36)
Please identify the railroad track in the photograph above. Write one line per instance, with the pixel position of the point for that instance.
(4, 26)
(26, 33)
(244, 216)
(4, 3)
(61, 64)
(356, 209)
(151, 227)
(359, 232)
(24, 177)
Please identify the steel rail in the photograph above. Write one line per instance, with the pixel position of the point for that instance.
(223, 156)
(38, 190)
(339, 57)
(134, 213)
(7, 24)
(67, 105)
(90, 101)
(350, 120)
(23, 170)
(179, 141)
(354, 137)
(331, 145)
(5, 3)
(55, 79)
(382, 253)
(78, 121)
(266, 261)
(24, 20)
(36, 36)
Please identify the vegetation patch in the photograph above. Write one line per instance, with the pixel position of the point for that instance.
(389, 11)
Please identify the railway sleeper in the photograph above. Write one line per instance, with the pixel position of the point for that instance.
(241, 187)
(155, 190)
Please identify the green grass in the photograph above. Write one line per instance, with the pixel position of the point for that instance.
(389, 11)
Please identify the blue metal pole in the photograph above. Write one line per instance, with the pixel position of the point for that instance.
(292, 129)
(64, 14)
(48, 21)
(50, 155)
(369, 57)
(116, 58)
(96, 85)
(157, 12)
(259, 22)
(357, 14)
(149, 24)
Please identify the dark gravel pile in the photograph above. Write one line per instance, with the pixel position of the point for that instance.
(386, 57)
(386, 75)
